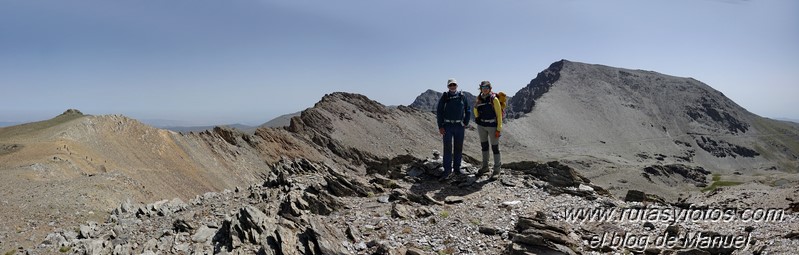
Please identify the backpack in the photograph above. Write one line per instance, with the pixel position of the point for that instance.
(460, 94)
(446, 98)
(503, 101)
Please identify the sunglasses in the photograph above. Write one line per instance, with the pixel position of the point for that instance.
(485, 87)
(452, 85)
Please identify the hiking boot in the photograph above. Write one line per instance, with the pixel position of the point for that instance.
(482, 172)
(497, 169)
(484, 167)
(445, 178)
(495, 175)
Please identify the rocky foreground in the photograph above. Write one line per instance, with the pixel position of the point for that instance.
(307, 208)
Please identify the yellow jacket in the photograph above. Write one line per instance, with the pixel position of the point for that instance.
(497, 111)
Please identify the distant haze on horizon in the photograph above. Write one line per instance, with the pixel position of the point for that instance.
(206, 62)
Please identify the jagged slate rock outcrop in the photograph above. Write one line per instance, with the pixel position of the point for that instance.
(365, 132)
(554, 172)
(640, 196)
(228, 134)
(558, 178)
(708, 114)
(673, 173)
(723, 149)
(72, 112)
(283, 215)
(525, 99)
(635, 196)
(535, 235)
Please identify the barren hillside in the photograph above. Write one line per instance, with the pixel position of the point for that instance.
(611, 123)
(78, 167)
(632, 115)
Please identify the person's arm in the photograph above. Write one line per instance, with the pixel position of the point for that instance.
(474, 109)
(467, 112)
(440, 112)
(498, 112)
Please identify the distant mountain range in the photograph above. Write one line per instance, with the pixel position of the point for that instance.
(187, 126)
(241, 127)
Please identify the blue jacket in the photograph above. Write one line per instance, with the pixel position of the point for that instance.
(453, 109)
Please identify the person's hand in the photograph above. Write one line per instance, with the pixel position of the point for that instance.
(496, 134)
(441, 131)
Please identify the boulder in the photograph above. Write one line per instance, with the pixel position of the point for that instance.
(327, 238)
(180, 225)
(488, 231)
(401, 211)
(248, 225)
(553, 172)
(54, 239)
(203, 234)
(635, 196)
(533, 235)
(453, 200)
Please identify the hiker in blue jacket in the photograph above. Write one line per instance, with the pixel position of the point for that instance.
(453, 115)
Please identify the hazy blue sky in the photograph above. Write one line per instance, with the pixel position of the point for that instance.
(246, 61)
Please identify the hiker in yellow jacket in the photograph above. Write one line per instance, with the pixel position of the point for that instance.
(488, 116)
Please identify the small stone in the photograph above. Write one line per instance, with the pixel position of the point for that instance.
(584, 187)
(85, 232)
(383, 199)
(53, 239)
(424, 212)
(510, 203)
(181, 225)
(414, 251)
(453, 200)
(674, 230)
(203, 234)
(400, 211)
(635, 196)
(488, 231)
(507, 182)
(353, 233)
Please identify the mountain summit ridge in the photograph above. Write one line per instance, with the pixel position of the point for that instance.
(574, 108)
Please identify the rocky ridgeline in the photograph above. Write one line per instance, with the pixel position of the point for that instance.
(307, 208)
(674, 173)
